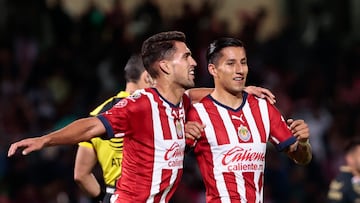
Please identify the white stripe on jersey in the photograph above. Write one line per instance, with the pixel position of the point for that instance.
(156, 175)
(265, 116)
(252, 124)
(228, 124)
(240, 182)
(266, 122)
(172, 179)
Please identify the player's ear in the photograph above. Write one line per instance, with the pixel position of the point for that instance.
(164, 67)
(148, 79)
(212, 70)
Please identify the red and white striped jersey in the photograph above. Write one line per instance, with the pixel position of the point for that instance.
(231, 151)
(154, 144)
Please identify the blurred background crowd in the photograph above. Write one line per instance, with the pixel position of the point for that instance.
(61, 58)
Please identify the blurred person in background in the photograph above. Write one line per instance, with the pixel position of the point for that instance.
(345, 187)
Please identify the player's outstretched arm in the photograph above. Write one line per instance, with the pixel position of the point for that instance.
(75, 132)
(300, 151)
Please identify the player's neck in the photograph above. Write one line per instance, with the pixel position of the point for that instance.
(171, 94)
(232, 100)
(131, 87)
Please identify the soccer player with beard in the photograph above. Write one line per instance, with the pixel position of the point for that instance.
(151, 122)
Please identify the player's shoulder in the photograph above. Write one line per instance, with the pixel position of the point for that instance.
(205, 101)
(109, 103)
(137, 99)
(250, 98)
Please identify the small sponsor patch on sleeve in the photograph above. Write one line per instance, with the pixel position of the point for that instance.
(122, 103)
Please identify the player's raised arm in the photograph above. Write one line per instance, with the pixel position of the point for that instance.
(75, 132)
(196, 94)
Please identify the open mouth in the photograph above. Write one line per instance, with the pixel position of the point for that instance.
(239, 78)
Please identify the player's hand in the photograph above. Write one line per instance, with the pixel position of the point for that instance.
(193, 130)
(299, 129)
(261, 92)
(27, 145)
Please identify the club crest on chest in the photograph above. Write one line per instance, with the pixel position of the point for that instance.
(243, 133)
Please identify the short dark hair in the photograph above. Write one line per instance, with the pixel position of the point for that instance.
(215, 47)
(351, 144)
(158, 47)
(134, 68)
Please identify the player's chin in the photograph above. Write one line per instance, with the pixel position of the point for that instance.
(190, 84)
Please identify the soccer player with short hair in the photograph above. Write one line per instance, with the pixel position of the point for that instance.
(231, 150)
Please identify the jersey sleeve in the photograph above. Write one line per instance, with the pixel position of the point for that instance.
(120, 120)
(106, 105)
(115, 119)
(280, 134)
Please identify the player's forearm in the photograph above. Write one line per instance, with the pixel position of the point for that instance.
(89, 185)
(75, 132)
(302, 155)
(196, 94)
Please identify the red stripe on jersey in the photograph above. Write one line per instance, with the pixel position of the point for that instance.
(164, 118)
(255, 110)
(278, 126)
(250, 187)
(238, 122)
(204, 155)
(221, 135)
(261, 184)
(178, 179)
(166, 174)
(165, 180)
(231, 185)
